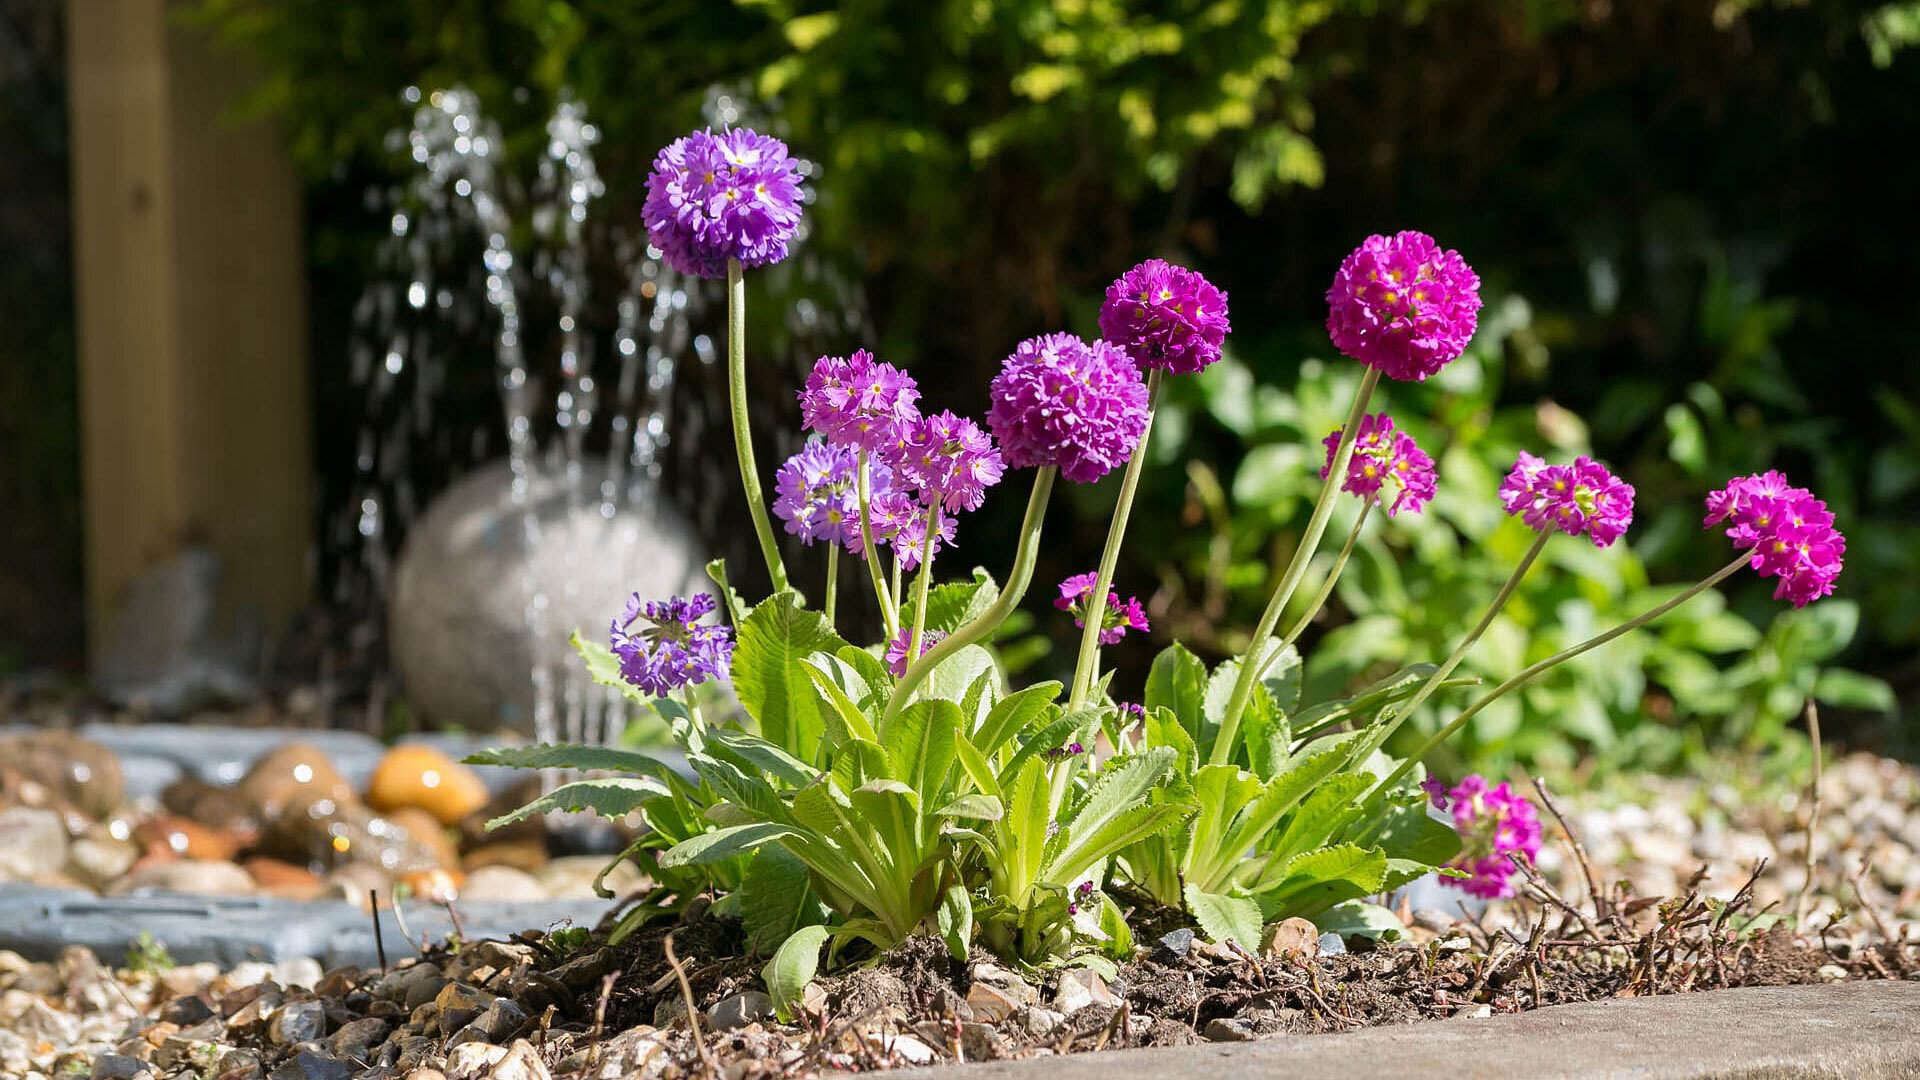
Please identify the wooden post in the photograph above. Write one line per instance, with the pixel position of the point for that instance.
(192, 334)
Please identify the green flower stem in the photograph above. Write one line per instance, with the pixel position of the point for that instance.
(864, 489)
(1296, 569)
(1326, 587)
(833, 582)
(1527, 673)
(989, 620)
(1086, 668)
(742, 426)
(893, 615)
(1466, 644)
(925, 578)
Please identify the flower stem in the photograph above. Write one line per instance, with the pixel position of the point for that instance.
(1296, 569)
(1087, 667)
(742, 426)
(922, 582)
(1527, 673)
(1460, 651)
(833, 582)
(864, 489)
(989, 620)
(1326, 587)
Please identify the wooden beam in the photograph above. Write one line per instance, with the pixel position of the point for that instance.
(192, 337)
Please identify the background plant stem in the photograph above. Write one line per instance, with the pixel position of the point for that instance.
(1296, 569)
(1086, 667)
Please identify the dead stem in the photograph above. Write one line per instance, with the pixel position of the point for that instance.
(693, 1009)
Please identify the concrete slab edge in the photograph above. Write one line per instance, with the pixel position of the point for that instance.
(1854, 1030)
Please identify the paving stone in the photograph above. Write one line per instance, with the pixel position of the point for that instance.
(1859, 1030)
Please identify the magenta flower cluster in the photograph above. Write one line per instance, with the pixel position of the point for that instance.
(1790, 533)
(1165, 316)
(1582, 498)
(714, 197)
(1383, 454)
(1061, 401)
(1494, 822)
(948, 461)
(1116, 619)
(675, 648)
(859, 402)
(1403, 306)
(902, 641)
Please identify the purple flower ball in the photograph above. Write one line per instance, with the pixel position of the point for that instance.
(676, 649)
(899, 521)
(1116, 618)
(1580, 498)
(947, 459)
(1493, 822)
(1383, 455)
(1060, 401)
(713, 197)
(897, 648)
(1165, 316)
(1790, 533)
(859, 401)
(1403, 306)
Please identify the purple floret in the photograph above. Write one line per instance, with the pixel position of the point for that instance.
(1165, 316)
(1383, 455)
(1582, 498)
(713, 197)
(1790, 533)
(676, 649)
(1403, 306)
(1061, 401)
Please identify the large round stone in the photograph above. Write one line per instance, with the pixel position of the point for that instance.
(457, 619)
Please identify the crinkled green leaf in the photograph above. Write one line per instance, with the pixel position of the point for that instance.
(1226, 918)
(769, 675)
(612, 797)
(724, 843)
(792, 968)
(569, 756)
(776, 899)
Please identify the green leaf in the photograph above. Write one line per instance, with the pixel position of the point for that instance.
(1013, 714)
(792, 968)
(919, 743)
(976, 807)
(1409, 832)
(612, 797)
(955, 920)
(1329, 807)
(776, 899)
(1317, 880)
(1260, 716)
(1177, 682)
(978, 768)
(1354, 919)
(569, 756)
(1112, 813)
(769, 675)
(756, 752)
(951, 678)
(603, 667)
(1226, 918)
(1113, 923)
(827, 673)
(955, 604)
(1852, 690)
(711, 847)
(1165, 729)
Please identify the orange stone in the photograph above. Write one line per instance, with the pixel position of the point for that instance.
(423, 777)
(295, 772)
(283, 879)
(183, 838)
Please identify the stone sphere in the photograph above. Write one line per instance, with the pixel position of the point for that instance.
(457, 616)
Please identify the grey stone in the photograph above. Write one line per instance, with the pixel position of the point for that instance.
(297, 1022)
(1080, 987)
(313, 1065)
(33, 843)
(521, 1063)
(165, 652)
(1859, 1030)
(498, 1022)
(1037, 1022)
(1331, 945)
(990, 1003)
(117, 1067)
(357, 1038)
(459, 1005)
(1174, 945)
(222, 754)
(457, 621)
(1228, 1029)
(501, 883)
(739, 1010)
(195, 876)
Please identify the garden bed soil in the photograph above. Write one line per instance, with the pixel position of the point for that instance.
(554, 1007)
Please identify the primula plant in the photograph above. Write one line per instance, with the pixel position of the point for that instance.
(881, 781)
